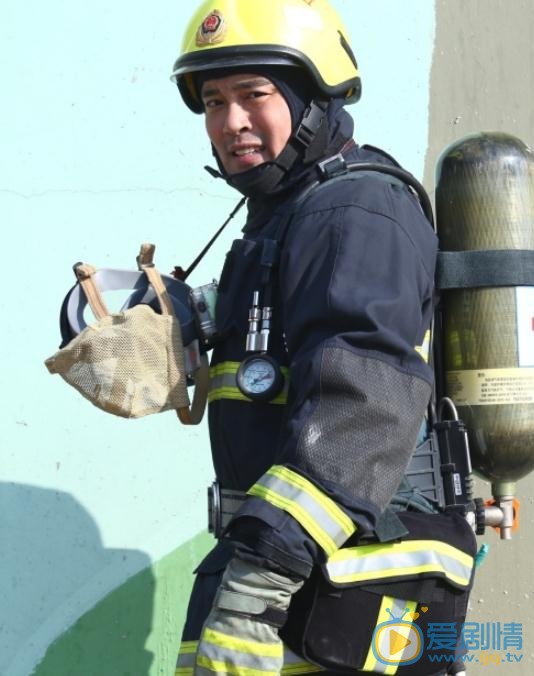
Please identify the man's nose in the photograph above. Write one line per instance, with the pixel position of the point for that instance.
(236, 120)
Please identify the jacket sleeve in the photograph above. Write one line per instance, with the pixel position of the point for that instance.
(356, 279)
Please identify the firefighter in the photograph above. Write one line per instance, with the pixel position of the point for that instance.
(317, 391)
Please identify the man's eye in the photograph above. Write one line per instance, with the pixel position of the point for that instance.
(257, 94)
(212, 103)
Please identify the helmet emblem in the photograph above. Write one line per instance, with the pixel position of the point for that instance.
(212, 30)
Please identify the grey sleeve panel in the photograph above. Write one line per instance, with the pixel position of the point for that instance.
(364, 427)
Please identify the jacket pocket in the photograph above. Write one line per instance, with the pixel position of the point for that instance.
(374, 606)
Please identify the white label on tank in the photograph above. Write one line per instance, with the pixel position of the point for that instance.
(491, 386)
(525, 325)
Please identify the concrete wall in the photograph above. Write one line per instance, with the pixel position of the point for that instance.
(101, 519)
(483, 80)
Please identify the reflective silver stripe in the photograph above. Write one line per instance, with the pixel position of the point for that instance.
(318, 514)
(389, 608)
(294, 665)
(185, 663)
(223, 384)
(221, 652)
(396, 607)
(371, 562)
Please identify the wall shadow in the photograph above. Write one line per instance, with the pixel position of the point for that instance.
(64, 603)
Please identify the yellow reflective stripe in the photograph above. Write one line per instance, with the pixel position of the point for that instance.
(236, 394)
(228, 668)
(388, 608)
(238, 655)
(424, 349)
(300, 514)
(222, 384)
(227, 393)
(224, 367)
(371, 662)
(406, 546)
(416, 570)
(404, 571)
(300, 668)
(411, 557)
(188, 647)
(229, 367)
(318, 514)
(242, 645)
(295, 665)
(185, 663)
(327, 503)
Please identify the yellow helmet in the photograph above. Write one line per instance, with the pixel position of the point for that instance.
(235, 33)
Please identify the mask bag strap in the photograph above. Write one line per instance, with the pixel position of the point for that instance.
(187, 415)
(84, 274)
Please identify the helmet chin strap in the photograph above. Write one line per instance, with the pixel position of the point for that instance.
(302, 145)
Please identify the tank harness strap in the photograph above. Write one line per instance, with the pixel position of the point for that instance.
(84, 274)
(336, 168)
(479, 269)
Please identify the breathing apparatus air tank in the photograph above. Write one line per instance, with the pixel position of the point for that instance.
(485, 218)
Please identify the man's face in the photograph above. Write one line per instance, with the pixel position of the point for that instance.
(247, 120)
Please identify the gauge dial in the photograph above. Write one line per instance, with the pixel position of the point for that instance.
(259, 377)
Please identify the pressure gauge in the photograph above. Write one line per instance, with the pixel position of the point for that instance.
(259, 377)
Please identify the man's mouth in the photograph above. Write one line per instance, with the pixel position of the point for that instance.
(243, 152)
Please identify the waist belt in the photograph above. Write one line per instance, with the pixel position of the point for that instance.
(223, 504)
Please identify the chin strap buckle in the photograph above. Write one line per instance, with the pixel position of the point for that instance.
(311, 122)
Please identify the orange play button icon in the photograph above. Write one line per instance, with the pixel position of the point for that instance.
(397, 642)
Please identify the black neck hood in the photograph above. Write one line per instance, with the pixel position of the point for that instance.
(295, 164)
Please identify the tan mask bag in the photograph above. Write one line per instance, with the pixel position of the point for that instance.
(131, 363)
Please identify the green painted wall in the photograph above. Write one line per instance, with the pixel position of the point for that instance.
(135, 630)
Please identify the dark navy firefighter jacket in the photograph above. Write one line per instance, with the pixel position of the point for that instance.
(353, 298)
